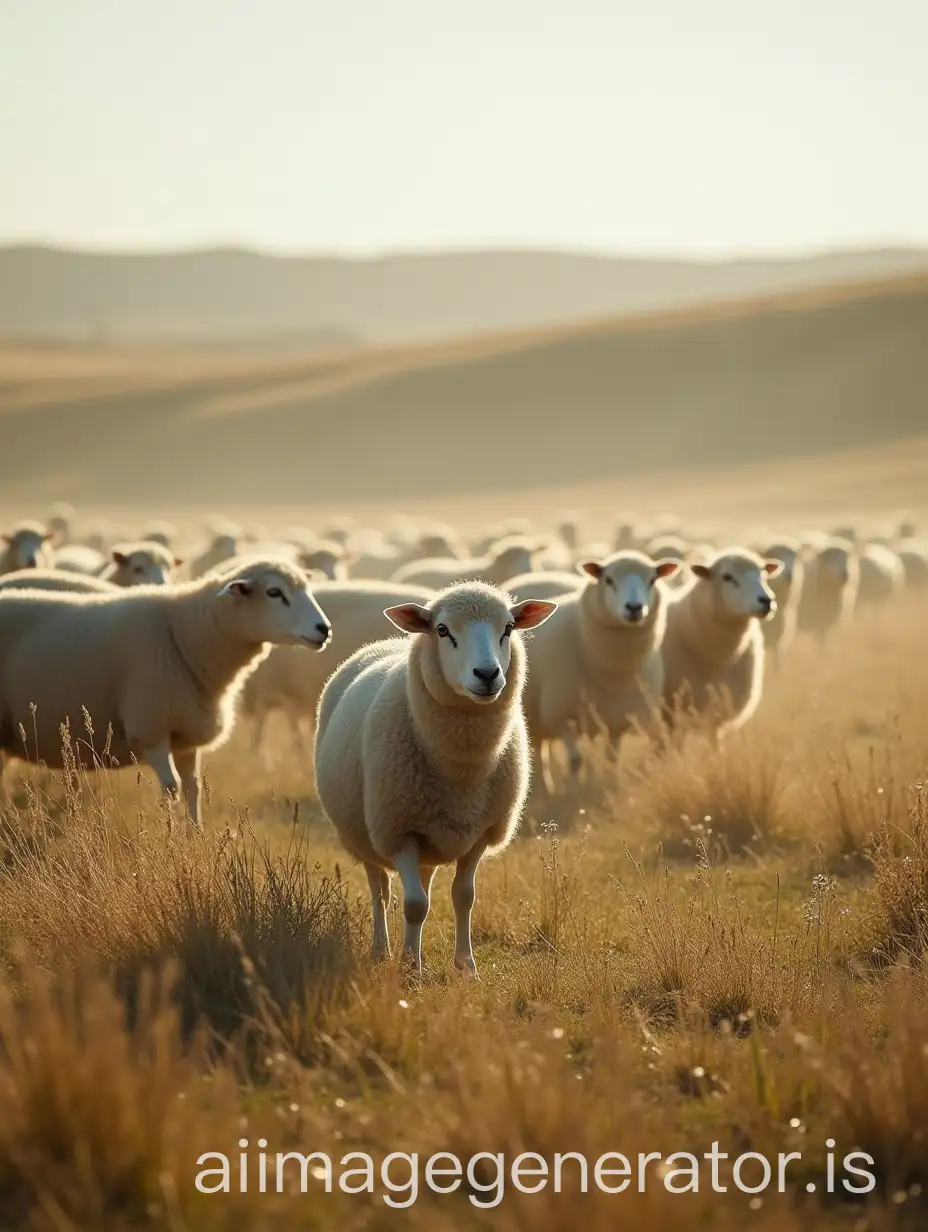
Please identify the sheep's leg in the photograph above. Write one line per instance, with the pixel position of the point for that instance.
(463, 893)
(188, 767)
(160, 760)
(574, 759)
(379, 881)
(541, 772)
(415, 899)
(257, 737)
(296, 731)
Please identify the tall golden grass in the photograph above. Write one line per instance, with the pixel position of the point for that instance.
(712, 945)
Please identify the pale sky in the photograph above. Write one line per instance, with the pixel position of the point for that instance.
(678, 126)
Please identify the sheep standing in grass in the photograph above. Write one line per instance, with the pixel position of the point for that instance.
(27, 545)
(713, 649)
(422, 755)
(780, 629)
(829, 588)
(505, 559)
(141, 564)
(157, 669)
(596, 664)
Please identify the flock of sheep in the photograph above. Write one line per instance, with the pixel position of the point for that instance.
(114, 652)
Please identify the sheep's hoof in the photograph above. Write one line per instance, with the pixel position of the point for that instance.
(466, 967)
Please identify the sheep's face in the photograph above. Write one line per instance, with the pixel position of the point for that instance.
(26, 545)
(472, 630)
(273, 603)
(740, 585)
(837, 565)
(143, 565)
(626, 585)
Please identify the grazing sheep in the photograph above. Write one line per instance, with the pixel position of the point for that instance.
(422, 756)
(505, 559)
(881, 575)
(79, 558)
(56, 580)
(596, 664)
(829, 588)
(780, 629)
(27, 546)
(326, 557)
(141, 564)
(158, 669)
(713, 649)
(292, 682)
(913, 553)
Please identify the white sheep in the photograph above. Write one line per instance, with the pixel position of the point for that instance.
(913, 553)
(157, 669)
(141, 564)
(56, 580)
(60, 521)
(881, 575)
(291, 682)
(27, 545)
(780, 628)
(79, 558)
(713, 649)
(829, 588)
(595, 666)
(505, 559)
(544, 585)
(326, 557)
(422, 755)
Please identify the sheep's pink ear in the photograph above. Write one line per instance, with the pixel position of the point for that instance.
(592, 567)
(773, 568)
(702, 571)
(409, 617)
(239, 587)
(531, 613)
(667, 568)
(119, 558)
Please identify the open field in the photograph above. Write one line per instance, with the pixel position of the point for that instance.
(782, 381)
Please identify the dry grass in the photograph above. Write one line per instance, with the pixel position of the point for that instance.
(720, 945)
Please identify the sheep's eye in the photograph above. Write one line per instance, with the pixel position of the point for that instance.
(138, 568)
(507, 632)
(727, 577)
(608, 580)
(442, 630)
(276, 593)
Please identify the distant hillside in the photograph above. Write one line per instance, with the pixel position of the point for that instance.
(772, 379)
(235, 295)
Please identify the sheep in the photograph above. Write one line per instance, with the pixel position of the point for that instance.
(505, 559)
(596, 664)
(881, 575)
(326, 557)
(422, 756)
(56, 580)
(292, 682)
(27, 545)
(829, 588)
(913, 553)
(60, 520)
(141, 564)
(222, 547)
(713, 648)
(157, 669)
(160, 532)
(780, 629)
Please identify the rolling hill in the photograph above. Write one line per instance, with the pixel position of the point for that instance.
(771, 381)
(235, 295)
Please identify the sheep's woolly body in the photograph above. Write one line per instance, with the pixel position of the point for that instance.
(56, 580)
(154, 667)
(543, 585)
(829, 588)
(780, 630)
(882, 575)
(712, 658)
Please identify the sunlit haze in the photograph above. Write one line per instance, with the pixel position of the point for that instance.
(360, 125)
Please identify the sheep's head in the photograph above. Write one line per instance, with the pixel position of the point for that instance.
(626, 585)
(143, 564)
(270, 601)
(330, 560)
(472, 627)
(26, 544)
(739, 582)
(838, 563)
(517, 554)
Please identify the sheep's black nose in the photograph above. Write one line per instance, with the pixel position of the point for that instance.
(323, 628)
(634, 610)
(765, 602)
(486, 674)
